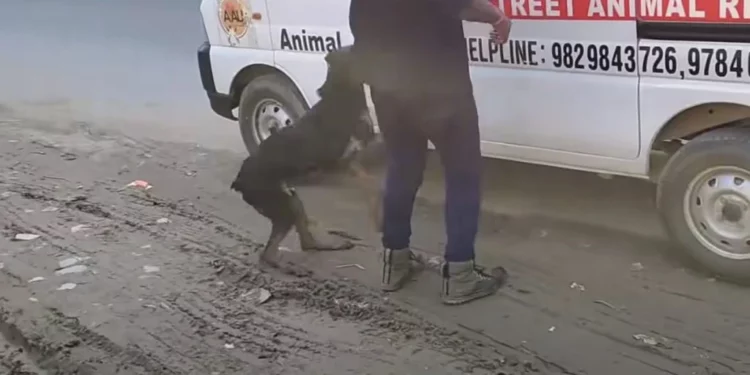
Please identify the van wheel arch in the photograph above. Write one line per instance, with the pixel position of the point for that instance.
(689, 124)
(252, 72)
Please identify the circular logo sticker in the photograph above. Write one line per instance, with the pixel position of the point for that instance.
(233, 15)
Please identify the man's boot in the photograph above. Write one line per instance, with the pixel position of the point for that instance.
(398, 268)
(464, 282)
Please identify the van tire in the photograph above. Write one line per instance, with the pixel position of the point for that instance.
(267, 88)
(692, 170)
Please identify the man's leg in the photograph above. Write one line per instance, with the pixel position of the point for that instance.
(406, 153)
(458, 142)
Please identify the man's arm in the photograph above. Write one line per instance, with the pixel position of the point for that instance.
(471, 10)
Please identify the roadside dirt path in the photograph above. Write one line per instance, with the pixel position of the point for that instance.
(122, 280)
(126, 281)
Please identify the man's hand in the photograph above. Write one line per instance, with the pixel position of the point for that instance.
(501, 30)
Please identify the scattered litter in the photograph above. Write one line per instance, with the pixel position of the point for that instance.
(637, 266)
(260, 295)
(578, 286)
(79, 228)
(2, 265)
(605, 176)
(32, 299)
(136, 254)
(605, 303)
(67, 286)
(144, 277)
(163, 220)
(146, 247)
(27, 211)
(435, 262)
(151, 269)
(73, 269)
(50, 209)
(165, 306)
(543, 233)
(65, 263)
(36, 279)
(648, 340)
(351, 265)
(139, 184)
(12, 141)
(229, 346)
(26, 237)
(552, 329)
(6, 194)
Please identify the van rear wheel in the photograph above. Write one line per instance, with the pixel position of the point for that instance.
(267, 104)
(704, 200)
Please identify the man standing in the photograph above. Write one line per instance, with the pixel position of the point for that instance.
(413, 55)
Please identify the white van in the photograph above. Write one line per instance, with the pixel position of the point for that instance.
(652, 89)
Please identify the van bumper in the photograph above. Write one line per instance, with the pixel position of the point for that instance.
(221, 104)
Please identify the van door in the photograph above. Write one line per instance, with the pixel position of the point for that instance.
(566, 81)
(244, 24)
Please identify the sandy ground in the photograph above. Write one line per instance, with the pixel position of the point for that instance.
(126, 281)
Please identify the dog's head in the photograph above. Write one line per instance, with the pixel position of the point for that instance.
(342, 80)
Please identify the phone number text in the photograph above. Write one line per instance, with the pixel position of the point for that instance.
(697, 61)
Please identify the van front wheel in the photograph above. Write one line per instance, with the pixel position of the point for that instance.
(267, 104)
(704, 200)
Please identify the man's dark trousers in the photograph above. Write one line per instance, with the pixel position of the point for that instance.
(450, 122)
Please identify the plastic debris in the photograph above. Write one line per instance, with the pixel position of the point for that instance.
(36, 279)
(28, 211)
(605, 303)
(140, 184)
(260, 295)
(648, 340)
(67, 286)
(65, 263)
(163, 220)
(6, 194)
(229, 346)
(543, 233)
(637, 266)
(552, 329)
(351, 265)
(73, 269)
(79, 228)
(578, 286)
(26, 237)
(32, 299)
(50, 209)
(151, 269)
(146, 247)
(2, 265)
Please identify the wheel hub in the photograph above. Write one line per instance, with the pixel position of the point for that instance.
(269, 117)
(718, 211)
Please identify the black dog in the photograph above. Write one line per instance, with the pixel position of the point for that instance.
(326, 137)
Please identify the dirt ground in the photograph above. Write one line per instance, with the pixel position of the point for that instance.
(101, 278)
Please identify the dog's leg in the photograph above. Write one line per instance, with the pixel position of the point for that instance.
(311, 236)
(271, 254)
